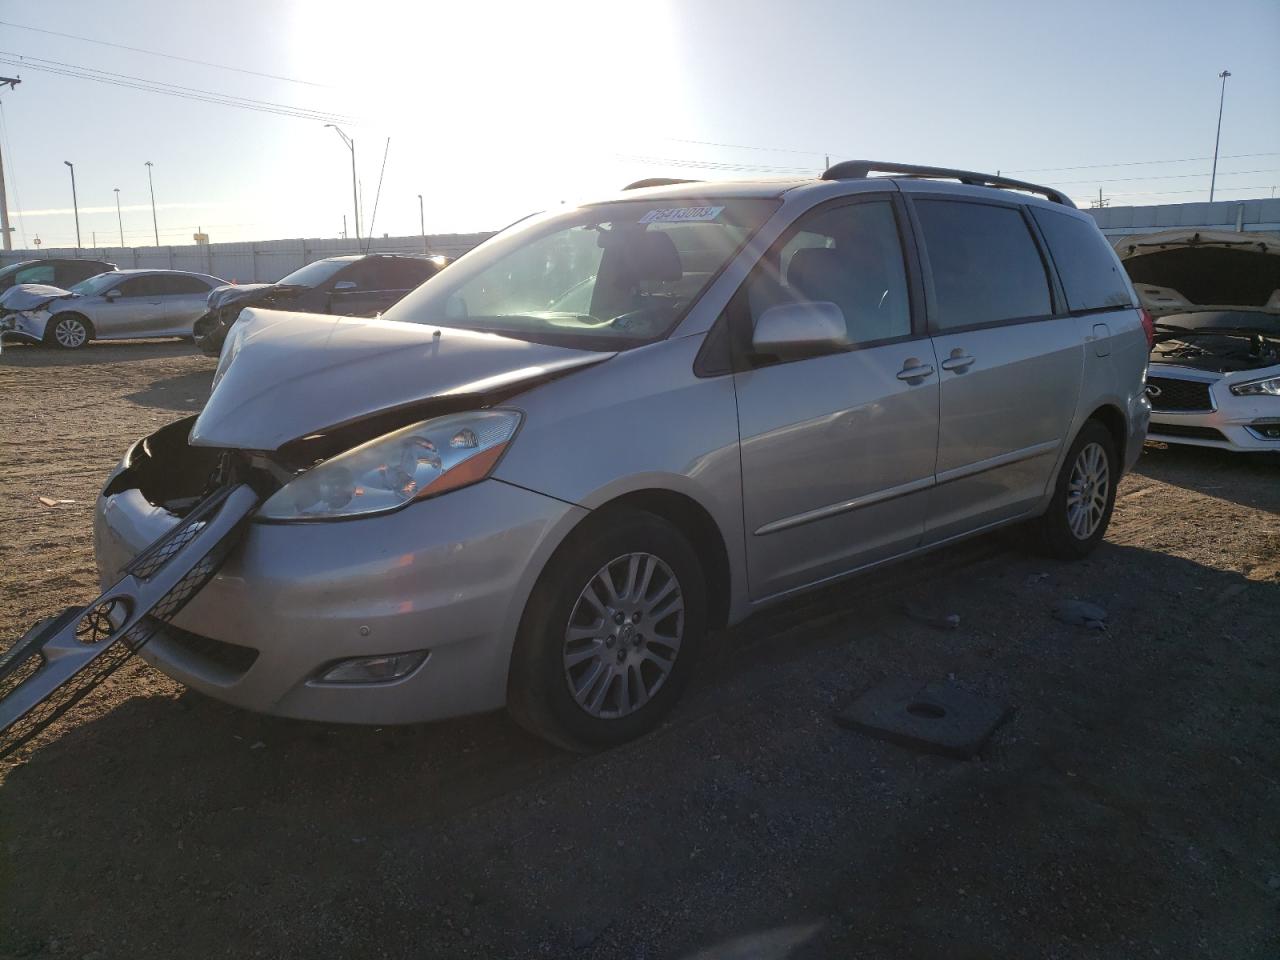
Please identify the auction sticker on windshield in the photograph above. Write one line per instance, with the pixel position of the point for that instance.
(682, 215)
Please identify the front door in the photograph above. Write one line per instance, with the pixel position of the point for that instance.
(130, 312)
(837, 450)
(1009, 363)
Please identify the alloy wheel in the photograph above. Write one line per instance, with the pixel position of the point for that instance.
(1087, 491)
(623, 635)
(70, 333)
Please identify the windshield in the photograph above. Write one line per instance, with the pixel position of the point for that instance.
(94, 285)
(605, 277)
(314, 274)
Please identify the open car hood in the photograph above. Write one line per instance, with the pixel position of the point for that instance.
(1181, 271)
(31, 296)
(230, 293)
(284, 376)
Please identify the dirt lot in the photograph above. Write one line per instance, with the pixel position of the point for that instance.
(1131, 808)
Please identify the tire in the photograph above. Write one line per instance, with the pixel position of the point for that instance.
(1069, 529)
(617, 668)
(70, 331)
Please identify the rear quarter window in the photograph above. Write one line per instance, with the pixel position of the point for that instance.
(1089, 271)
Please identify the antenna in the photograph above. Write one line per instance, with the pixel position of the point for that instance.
(369, 238)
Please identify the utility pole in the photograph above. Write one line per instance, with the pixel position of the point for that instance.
(154, 226)
(119, 219)
(355, 196)
(422, 225)
(75, 204)
(12, 83)
(344, 226)
(1213, 179)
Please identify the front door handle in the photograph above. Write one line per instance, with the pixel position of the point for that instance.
(959, 360)
(914, 370)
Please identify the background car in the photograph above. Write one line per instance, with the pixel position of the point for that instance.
(354, 286)
(112, 306)
(1214, 379)
(59, 272)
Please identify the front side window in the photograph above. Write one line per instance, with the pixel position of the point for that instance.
(137, 287)
(605, 277)
(848, 255)
(1088, 268)
(313, 274)
(40, 273)
(984, 264)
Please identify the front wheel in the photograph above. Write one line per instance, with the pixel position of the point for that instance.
(610, 633)
(69, 331)
(1083, 497)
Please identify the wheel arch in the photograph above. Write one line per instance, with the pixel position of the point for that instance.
(1111, 417)
(62, 315)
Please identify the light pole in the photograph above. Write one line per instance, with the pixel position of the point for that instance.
(152, 186)
(422, 225)
(119, 219)
(1218, 136)
(355, 196)
(75, 205)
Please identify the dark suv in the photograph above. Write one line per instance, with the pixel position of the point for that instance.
(354, 286)
(62, 273)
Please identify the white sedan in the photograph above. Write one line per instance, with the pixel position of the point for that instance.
(1214, 378)
(111, 306)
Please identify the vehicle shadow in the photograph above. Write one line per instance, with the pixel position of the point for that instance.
(1250, 479)
(98, 352)
(185, 393)
(473, 836)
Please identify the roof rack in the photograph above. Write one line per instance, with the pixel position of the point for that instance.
(860, 169)
(656, 182)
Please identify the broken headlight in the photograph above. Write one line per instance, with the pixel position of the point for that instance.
(1258, 388)
(413, 463)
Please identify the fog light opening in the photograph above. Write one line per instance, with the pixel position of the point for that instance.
(379, 669)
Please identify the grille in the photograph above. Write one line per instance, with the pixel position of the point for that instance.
(1166, 393)
(1183, 430)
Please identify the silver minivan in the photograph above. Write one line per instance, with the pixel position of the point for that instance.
(540, 479)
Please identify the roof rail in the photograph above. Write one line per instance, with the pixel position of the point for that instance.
(656, 182)
(859, 170)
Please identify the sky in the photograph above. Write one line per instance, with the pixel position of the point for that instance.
(498, 109)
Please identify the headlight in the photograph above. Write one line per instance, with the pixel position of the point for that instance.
(1258, 388)
(418, 461)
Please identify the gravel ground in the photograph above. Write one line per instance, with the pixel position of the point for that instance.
(1129, 808)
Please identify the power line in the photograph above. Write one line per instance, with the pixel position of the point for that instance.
(712, 164)
(167, 56)
(1165, 176)
(168, 89)
(1141, 163)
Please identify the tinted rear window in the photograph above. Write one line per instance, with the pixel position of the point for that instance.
(985, 265)
(1089, 271)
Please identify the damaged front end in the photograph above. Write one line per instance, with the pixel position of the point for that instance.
(25, 310)
(224, 306)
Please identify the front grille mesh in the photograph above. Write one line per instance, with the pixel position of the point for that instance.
(1180, 395)
(1185, 430)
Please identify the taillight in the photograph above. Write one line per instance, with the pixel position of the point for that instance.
(1149, 328)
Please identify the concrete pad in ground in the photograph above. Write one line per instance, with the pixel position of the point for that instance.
(934, 717)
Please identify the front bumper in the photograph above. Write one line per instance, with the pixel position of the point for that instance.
(449, 575)
(28, 326)
(1241, 424)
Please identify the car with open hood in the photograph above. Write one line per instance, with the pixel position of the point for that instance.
(1214, 379)
(122, 304)
(545, 475)
(353, 286)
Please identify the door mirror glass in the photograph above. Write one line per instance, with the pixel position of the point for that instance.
(344, 285)
(806, 327)
(113, 293)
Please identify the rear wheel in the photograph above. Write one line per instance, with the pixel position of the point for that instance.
(70, 331)
(1083, 497)
(610, 634)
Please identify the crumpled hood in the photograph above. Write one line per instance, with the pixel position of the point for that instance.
(31, 296)
(283, 376)
(230, 293)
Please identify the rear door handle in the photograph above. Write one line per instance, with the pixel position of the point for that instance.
(915, 370)
(959, 360)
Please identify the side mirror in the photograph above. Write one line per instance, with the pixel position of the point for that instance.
(344, 285)
(797, 329)
(113, 293)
